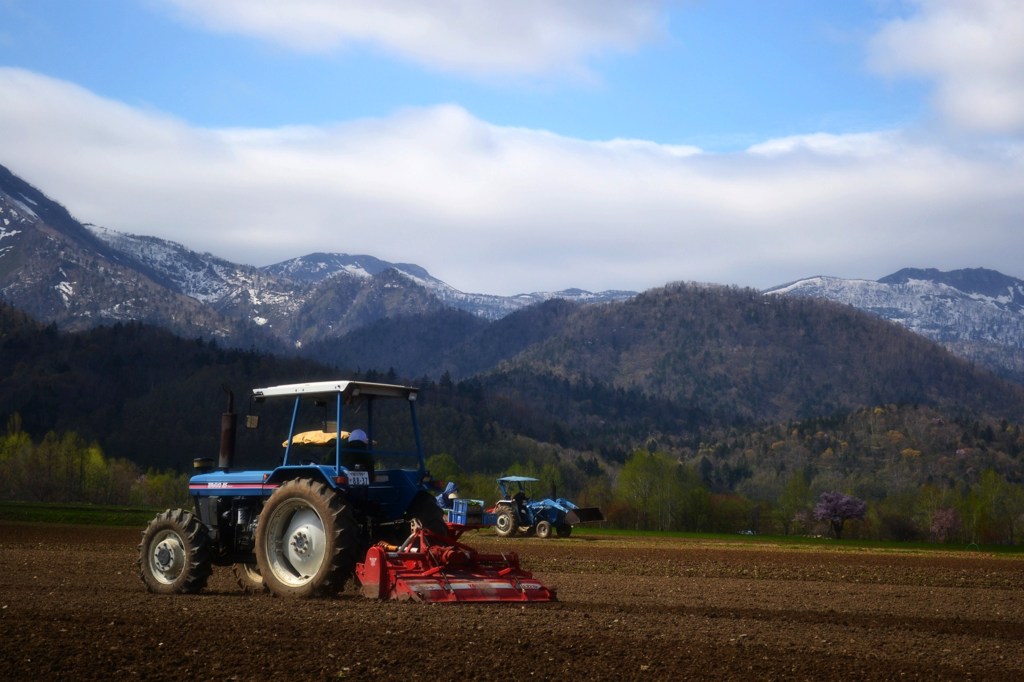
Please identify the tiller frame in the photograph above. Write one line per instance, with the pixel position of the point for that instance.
(430, 568)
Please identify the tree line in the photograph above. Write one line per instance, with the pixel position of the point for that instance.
(657, 492)
(652, 491)
(63, 467)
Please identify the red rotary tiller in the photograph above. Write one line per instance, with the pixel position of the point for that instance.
(430, 568)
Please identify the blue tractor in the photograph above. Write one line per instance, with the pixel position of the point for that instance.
(351, 474)
(517, 512)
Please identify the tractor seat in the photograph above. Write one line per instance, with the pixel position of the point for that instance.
(354, 456)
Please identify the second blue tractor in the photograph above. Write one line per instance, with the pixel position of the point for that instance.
(519, 513)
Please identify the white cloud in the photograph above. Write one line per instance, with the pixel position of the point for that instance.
(505, 210)
(972, 49)
(860, 145)
(464, 36)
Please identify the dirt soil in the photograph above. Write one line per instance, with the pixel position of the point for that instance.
(73, 607)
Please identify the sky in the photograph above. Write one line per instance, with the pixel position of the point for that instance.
(513, 146)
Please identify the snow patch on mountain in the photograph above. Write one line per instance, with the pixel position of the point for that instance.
(201, 276)
(270, 295)
(12, 213)
(976, 313)
(318, 267)
(930, 307)
(26, 212)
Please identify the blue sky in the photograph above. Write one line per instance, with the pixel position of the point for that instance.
(526, 145)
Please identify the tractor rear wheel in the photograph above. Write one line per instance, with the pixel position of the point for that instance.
(505, 523)
(249, 578)
(174, 555)
(306, 540)
(543, 530)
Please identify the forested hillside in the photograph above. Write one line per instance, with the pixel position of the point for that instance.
(668, 367)
(141, 392)
(742, 410)
(741, 356)
(731, 355)
(449, 342)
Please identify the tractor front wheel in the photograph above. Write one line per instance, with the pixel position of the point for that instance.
(174, 555)
(564, 530)
(505, 523)
(543, 530)
(306, 540)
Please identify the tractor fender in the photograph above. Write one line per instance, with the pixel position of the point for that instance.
(282, 475)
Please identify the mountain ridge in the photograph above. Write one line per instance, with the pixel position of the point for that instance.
(49, 262)
(974, 312)
(79, 275)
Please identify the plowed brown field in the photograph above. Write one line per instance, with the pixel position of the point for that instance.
(73, 607)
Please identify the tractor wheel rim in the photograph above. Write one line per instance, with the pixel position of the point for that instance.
(167, 560)
(297, 543)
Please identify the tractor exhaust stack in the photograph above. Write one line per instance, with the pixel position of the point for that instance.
(228, 428)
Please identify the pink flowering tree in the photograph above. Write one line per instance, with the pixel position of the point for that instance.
(837, 508)
(945, 524)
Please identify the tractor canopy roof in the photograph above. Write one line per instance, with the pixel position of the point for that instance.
(518, 479)
(350, 389)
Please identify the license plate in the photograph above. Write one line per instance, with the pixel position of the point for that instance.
(359, 478)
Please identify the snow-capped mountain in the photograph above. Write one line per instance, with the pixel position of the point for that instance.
(976, 313)
(284, 286)
(204, 277)
(242, 291)
(76, 275)
(317, 267)
(56, 270)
